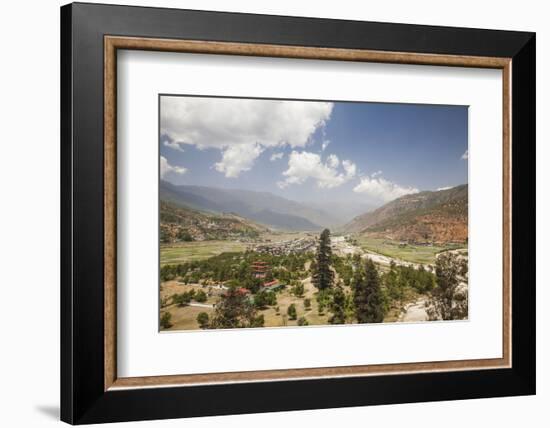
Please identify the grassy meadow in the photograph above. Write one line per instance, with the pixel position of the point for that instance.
(200, 250)
(421, 254)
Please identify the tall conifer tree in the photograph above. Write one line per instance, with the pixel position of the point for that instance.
(323, 276)
(338, 306)
(367, 297)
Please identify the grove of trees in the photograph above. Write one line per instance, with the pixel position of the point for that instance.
(235, 310)
(234, 267)
(449, 300)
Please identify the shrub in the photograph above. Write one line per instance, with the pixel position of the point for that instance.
(298, 289)
(302, 321)
(200, 296)
(165, 320)
(203, 319)
(265, 298)
(291, 311)
(181, 299)
(183, 235)
(258, 321)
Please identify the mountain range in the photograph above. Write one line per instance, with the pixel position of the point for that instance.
(430, 216)
(183, 224)
(424, 217)
(260, 207)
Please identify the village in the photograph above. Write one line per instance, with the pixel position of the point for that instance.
(297, 245)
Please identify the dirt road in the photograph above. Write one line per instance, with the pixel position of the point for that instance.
(414, 312)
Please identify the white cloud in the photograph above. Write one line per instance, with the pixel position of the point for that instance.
(173, 145)
(465, 155)
(333, 161)
(276, 156)
(239, 125)
(376, 174)
(325, 144)
(305, 165)
(444, 188)
(166, 168)
(382, 189)
(350, 168)
(236, 159)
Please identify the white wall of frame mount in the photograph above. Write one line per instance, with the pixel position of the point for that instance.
(143, 352)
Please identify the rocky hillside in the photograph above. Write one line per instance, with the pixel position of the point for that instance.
(437, 217)
(178, 223)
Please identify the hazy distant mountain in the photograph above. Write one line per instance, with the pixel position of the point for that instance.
(262, 207)
(343, 211)
(440, 216)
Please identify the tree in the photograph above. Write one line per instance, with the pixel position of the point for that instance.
(298, 289)
(165, 235)
(323, 300)
(368, 301)
(449, 300)
(271, 298)
(393, 283)
(307, 304)
(234, 311)
(258, 321)
(203, 320)
(321, 308)
(426, 280)
(165, 320)
(291, 311)
(200, 296)
(302, 321)
(323, 276)
(181, 299)
(167, 273)
(338, 306)
(183, 235)
(260, 300)
(265, 298)
(252, 284)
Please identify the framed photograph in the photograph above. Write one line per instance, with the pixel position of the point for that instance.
(273, 213)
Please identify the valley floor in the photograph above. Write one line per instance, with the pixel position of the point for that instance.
(382, 252)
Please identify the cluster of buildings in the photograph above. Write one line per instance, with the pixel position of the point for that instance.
(300, 245)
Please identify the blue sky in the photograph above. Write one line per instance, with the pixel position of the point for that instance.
(364, 153)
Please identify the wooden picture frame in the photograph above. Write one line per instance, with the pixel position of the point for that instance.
(91, 390)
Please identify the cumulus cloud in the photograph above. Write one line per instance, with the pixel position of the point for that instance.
(465, 155)
(324, 145)
(306, 165)
(379, 188)
(276, 156)
(239, 125)
(166, 168)
(333, 161)
(349, 168)
(236, 159)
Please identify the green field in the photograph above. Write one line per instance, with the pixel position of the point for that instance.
(188, 251)
(408, 252)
